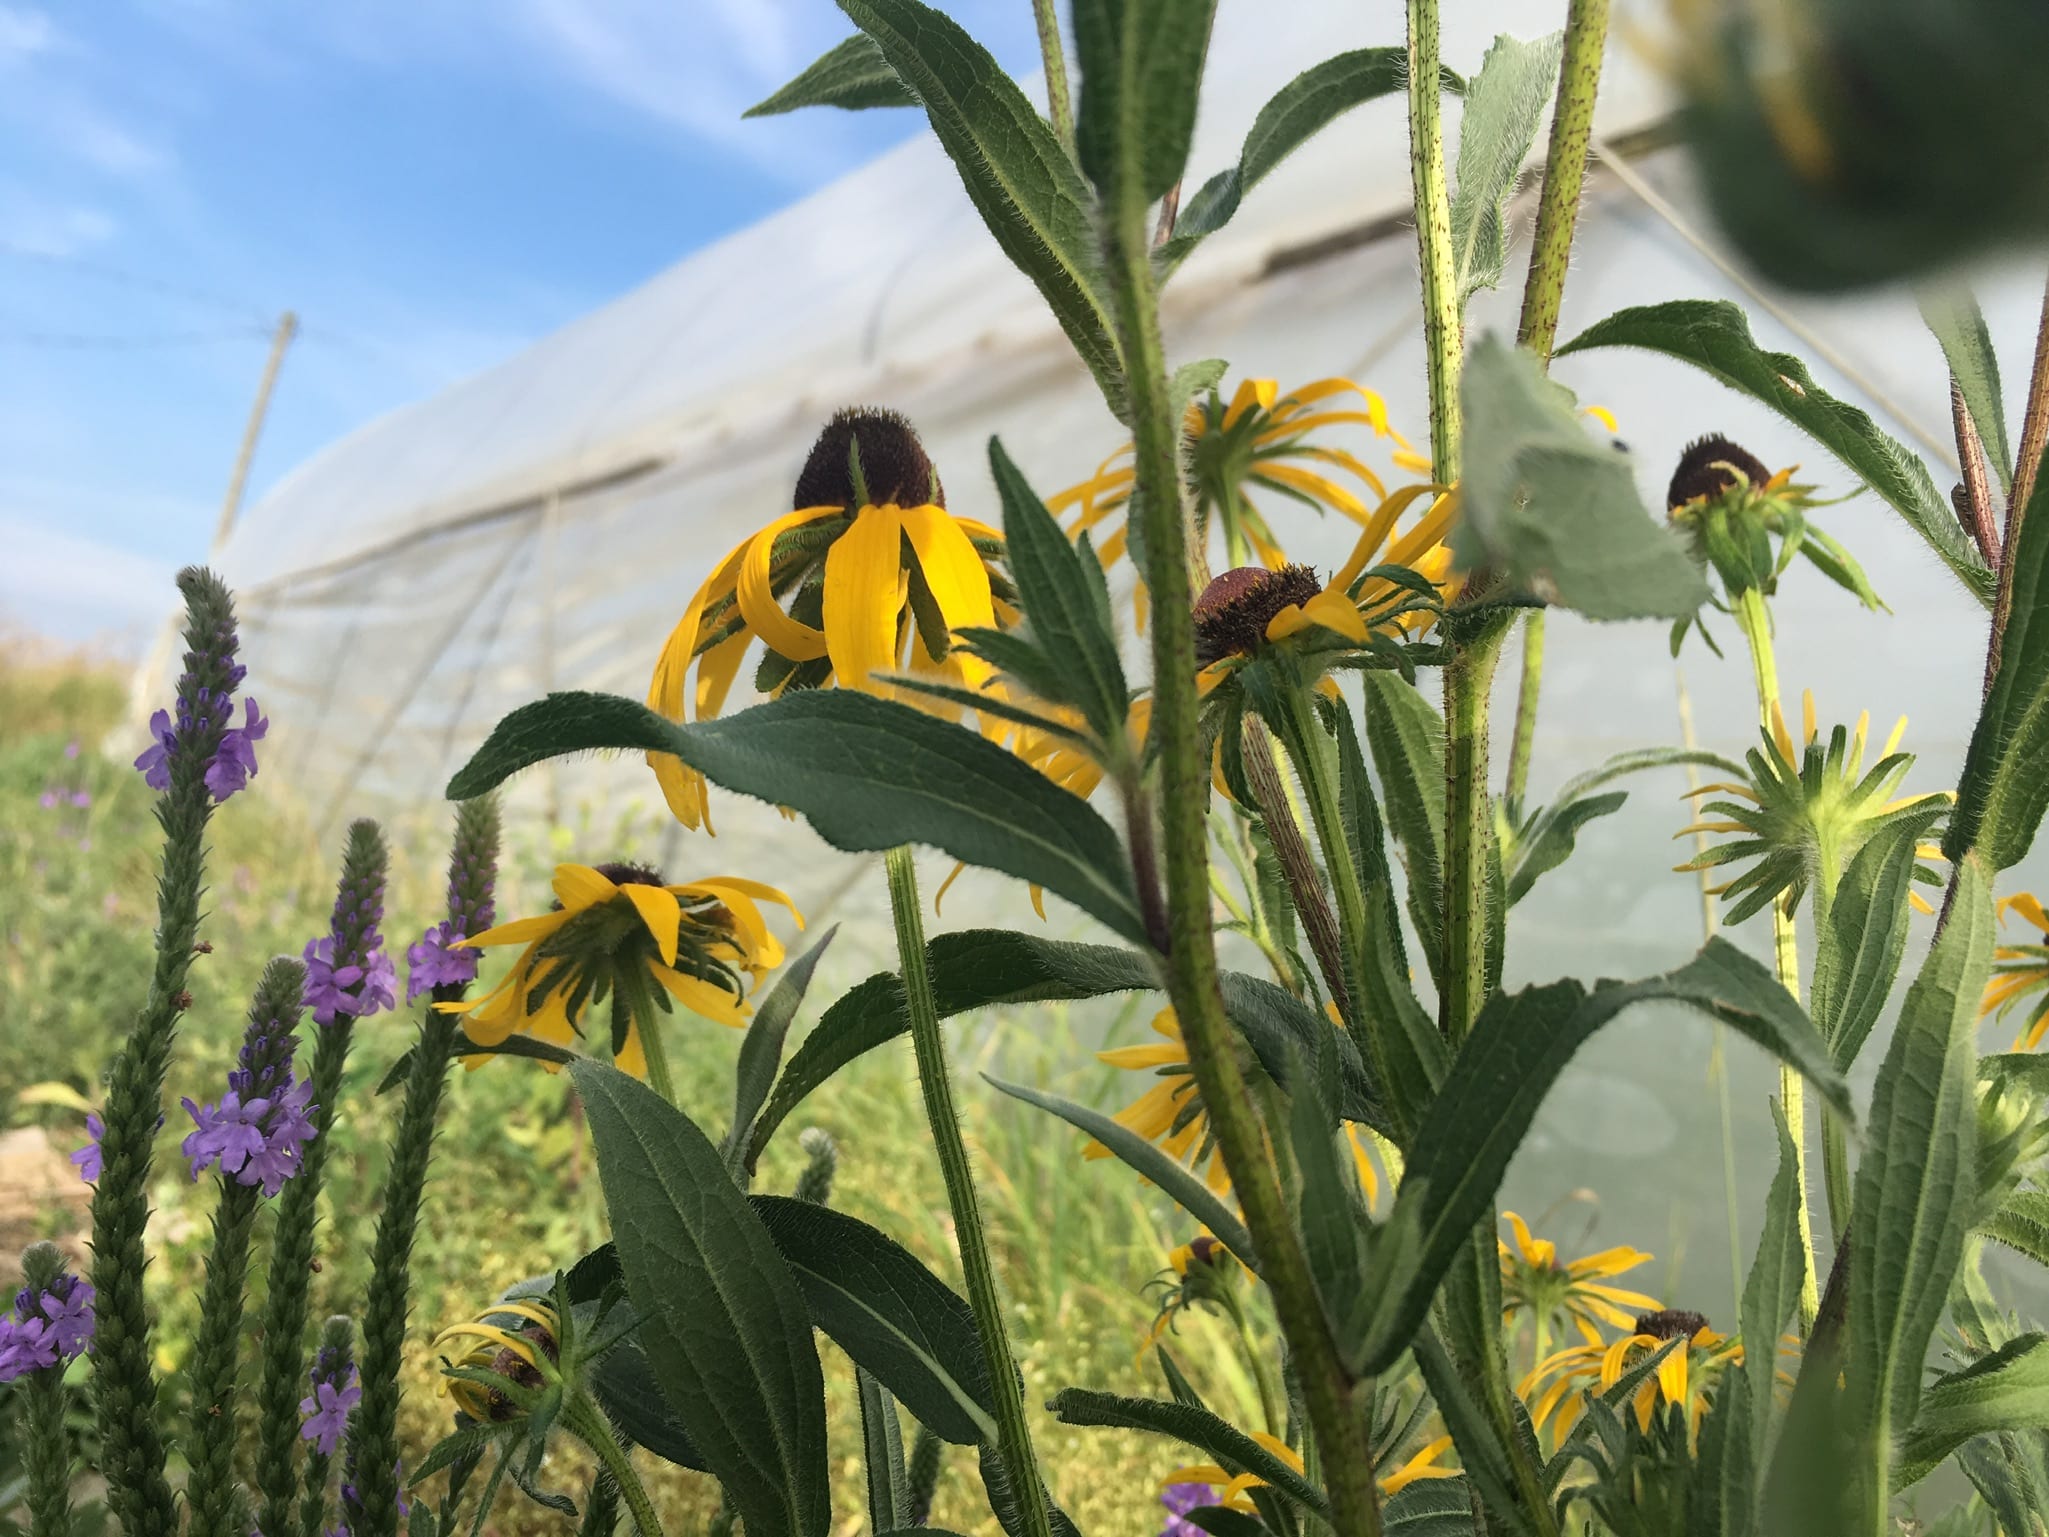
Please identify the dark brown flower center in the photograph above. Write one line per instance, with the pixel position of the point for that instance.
(1710, 467)
(1205, 1249)
(1671, 1324)
(631, 874)
(1233, 612)
(894, 467)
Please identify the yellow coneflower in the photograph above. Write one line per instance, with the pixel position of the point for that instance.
(616, 930)
(1563, 1380)
(1807, 807)
(1172, 1113)
(2021, 972)
(509, 1340)
(1234, 1488)
(869, 574)
(1533, 1281)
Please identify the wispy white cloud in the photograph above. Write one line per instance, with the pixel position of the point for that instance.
(23, 32)
(57, 229)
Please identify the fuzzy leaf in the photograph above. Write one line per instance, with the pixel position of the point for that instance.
(1195, 1427)
(1518, 1047)
(882, 1455)
(1857, 956)
(1018, 176)
(1772, 1289)
(851, 74)
(1714, 336)
(1141, 72)
(1959, 325)
(2003, 792)
(722, 1319)
(2007, 1390)
(761, 1049)
(1504, 105)
(1916, 1182)
(1406, 735)
(1554, 837)
(893, 1316)
(1557, 511)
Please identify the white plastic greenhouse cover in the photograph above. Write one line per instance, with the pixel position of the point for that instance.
(542, 525)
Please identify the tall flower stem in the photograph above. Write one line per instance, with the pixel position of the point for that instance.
(935, 1079)
(210, 1488)
(1527, 696)
(1335, 1407)
(1443, 339)
(588, 1423)
(46, 1453)
(1059, 102)
(124, 1380)
(373, 1428)
(287, 1307)
(1754, 619)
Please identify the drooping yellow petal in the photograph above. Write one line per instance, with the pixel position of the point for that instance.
(661, 912)
(715, 673)
(517, 931)
(1329, 609)
(1422, 1465)
(1252, 394)
(702, 997)
(1310, 484)
(2028, 906)
(952, 566)
(764, 616)
(862, 596)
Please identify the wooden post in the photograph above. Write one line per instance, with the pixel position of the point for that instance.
(287, 328)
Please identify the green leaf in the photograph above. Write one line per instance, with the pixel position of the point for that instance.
(1406, 735)
(882, 1456)
(1917, 1179)
(890, 1314)
(1016, 173)
(2007, 1390)
(1297, 113)
(1191, 380)
(1430, 1507)
(1141, 73)
(2003, 792)
(1555, 510)
(1959, 325)
(1173, 1177)
(980, 968)
(555, 727)
(1333, 1221)
(1003, 1504)
(1518, 1047)
(1771, 1291)
(1233, 1449)
(761, 1049)
(1864, 936)
(1553, 837)
(852, 74)
(867, 773)
(723, 1321)
(1069, 622)
(1504, 105)
(1714, 336)
(1481, 1454)
(1723, 1499)
(2022, 1224)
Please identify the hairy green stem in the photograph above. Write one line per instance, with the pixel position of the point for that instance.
(1526, 701)
(1443, 340)
(1754, 619)
(1472, 962)
(1335, 1408)
(1565, 170)
(210, 1490)
(587, 1422)
(132, 1451)
(1059, 101)
(935, 1079)
(46, 1453)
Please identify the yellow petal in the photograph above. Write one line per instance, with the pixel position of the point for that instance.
(862, 587)
(579, 886)
(952, 566)
(661, 912)
(1251, 394)
(518, 931)
(1309, 484)
(798, 642)
(702, 997)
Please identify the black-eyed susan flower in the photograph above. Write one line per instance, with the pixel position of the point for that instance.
(1577, 1291)
(1172, 1114)
(1683, 1379)
(618, 931)
(1233, 1490)
(1805, 810)
(1749, 522)
(509, 1343)
(1199, 1271)
(2020, 973)
(1259, 441)
(868, 575)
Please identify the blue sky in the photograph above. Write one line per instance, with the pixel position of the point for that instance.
(430, 187)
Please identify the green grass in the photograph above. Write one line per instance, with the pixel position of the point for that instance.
(515, 1190)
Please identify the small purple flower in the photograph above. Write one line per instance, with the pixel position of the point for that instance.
(234, 763)
(355, 990)
(88, 1157)
(260, 1142)
(1181, 1499)
(71, 748)
(81, 799)
(50, 799)
(435, 963)
(325, 1414)
(155, 761)
(50, 1326)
